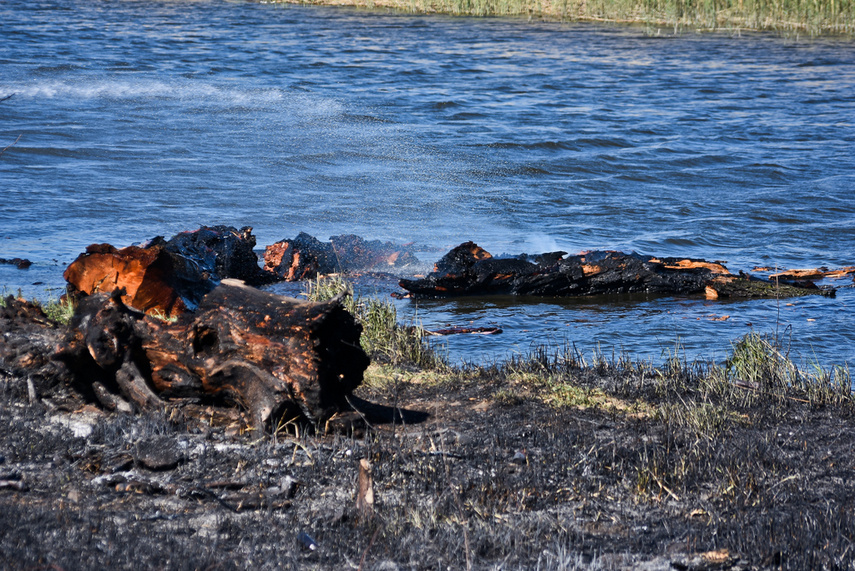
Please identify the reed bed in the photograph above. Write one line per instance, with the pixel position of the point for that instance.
(789, 17)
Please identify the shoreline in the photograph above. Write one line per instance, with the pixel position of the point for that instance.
(670, 17)
(541, 463)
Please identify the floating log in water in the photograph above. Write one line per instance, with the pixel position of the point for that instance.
(306, 257)
(273, 355)
(20, 263)
(169, 277)
(465, 331)
(470, 270)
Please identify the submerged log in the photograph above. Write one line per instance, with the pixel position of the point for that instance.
(273, 355)
(306, 257)
(169, 277)
(465, 331)
(470, 270)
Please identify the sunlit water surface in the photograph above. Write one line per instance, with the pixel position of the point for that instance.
(141, 118)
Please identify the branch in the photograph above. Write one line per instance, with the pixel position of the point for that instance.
(13, 144)
(2, 99)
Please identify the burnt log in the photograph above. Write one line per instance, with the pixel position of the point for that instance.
(303, 257)
(470, 270)
(222, 251)
(306, 257)
(169, 277)
(277, 357)
(271, 354)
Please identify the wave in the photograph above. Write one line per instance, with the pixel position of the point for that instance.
(144, 89)
(537, 145)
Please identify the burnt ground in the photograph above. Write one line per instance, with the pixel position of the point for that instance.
(591, 467)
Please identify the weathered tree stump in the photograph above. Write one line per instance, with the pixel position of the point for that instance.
(169, 277)
(272, 354)
(275, 356)
(470, 270)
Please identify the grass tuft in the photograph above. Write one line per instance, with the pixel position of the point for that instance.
(60, 311)
(383, 338)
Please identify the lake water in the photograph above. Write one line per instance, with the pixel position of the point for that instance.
(140, 118)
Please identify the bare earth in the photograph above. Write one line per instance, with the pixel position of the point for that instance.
(480, 470)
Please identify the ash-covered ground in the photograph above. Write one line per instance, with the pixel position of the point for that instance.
(483, 470)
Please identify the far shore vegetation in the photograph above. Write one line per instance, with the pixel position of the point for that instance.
(788, 17)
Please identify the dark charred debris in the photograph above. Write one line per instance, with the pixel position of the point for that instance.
(171, 276)
(543, 463)
(185, 420)
(470, 270)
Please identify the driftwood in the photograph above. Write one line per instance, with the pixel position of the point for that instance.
(465, 331)
(276, 356)
(306, 257)
(168, 277)
(470, 270)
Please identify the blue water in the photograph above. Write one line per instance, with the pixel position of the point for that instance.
(142, 118)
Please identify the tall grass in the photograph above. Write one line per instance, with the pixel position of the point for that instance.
(383, 338)
(813, 17)
(60, 311)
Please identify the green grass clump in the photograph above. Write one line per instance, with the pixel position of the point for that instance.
(758, 366)
(383, 338)
(60, 311)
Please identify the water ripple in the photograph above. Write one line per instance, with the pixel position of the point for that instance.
(146, 118)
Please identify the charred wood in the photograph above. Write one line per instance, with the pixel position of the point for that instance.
(465, 331)
(28, 339)
(266, 352)
(222, 251)
(470, 270)
(306, 257)
(172, 276)
(273, 355)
